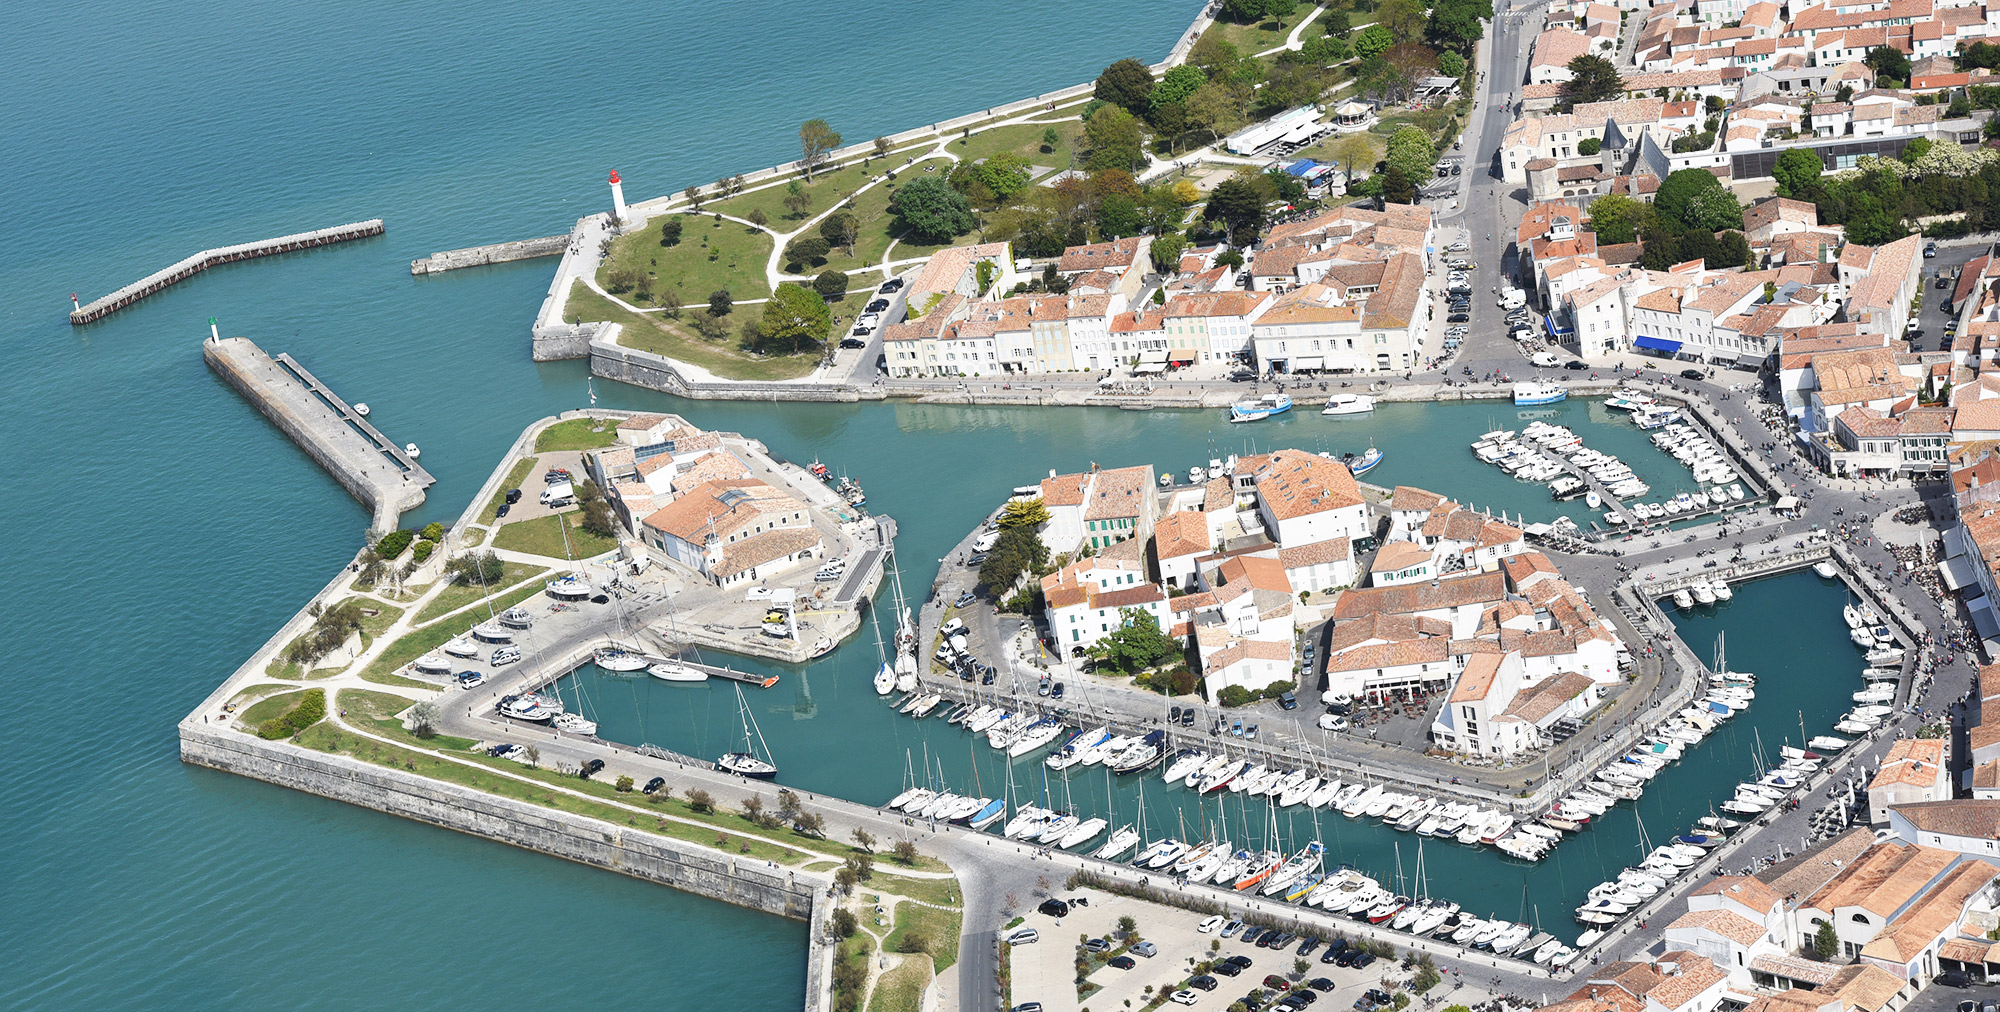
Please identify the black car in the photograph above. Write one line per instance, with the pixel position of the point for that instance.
(1331, 956)
(1954, 978)
(1321, 984)
(1054, 907)
(1305, 996)
(591, 769)
(513, 495)
(1944, 282)
(1293, 1002)
(890, 285)
(653, 785)
(1574, 364)
(1348, 956)
(1122, 962)
(987, 678)
(1914, 336)
(1307, 947)
(1692, 374)
(853, 342)
(1204, 982)
(1361, 961)
(878, 305)
(1251, 934)
(1240, 962)
(975, 558)
(1227, 969)
(505, 508)
(1187, 718)
(1056, 691)
(1458, 318)
(1288, 701)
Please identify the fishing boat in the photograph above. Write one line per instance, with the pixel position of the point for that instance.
(514, 618)
(1359, 465)
(1824, 569)
(574, 723)
(1261, 408)
(1683, 599)
(1829, 743)
(749, 763)
(1527, 394)
(1348, 404)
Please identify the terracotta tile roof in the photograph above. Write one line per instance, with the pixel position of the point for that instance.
(1182, 532)
(1986, 775)
(1697, 974)
(1741, 889)
(1118, 253)
(1734, 927)
(1883, 879)
(1810, 971)
(1294, 483)
(1217, 495)
(641, 421)
(1315, 554)
(758, 549)
(1399, 555)
(1120, 492)
(1938, 912)
(722, 507)
(1967, 817)
(1807, 873)
(1538, 702)
(1485, 588)
(1388, 655)
(1865, 987)
(1915, 761)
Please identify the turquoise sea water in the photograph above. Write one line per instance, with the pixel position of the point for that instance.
(166, 529)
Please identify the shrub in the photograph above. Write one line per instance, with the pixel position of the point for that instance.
(311, 709)
(843, 923)
(670, 230)
(432, 531)
(393, 543)
(422, 550)
(623, 785)
(476, 569)
(914, 941)
(905, 852)
(1234, 695)
(424, 719)
(700, 801)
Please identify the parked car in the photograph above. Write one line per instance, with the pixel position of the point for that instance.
(1253, 932)
(1288, 701)
(1184, 997)
(1210, 925)
(1954, 978)
(890, 285)
(1028, 1006)
(468, 679)
(1122, 962)
(1332, 722)
(513, 495)
(1097, 945)
(854, 342)
(1545, 359)
(591, 769)
(505, 508)
(878, 305)
(1575, 364)
(653, 786)
(1321, 984)
(1024, 936)
(1205, 982)
(964, 599)
(1054, 907)
(1227, 969)
(1230, 930)
(1146, 949)
(1277, 983)
(503, 751)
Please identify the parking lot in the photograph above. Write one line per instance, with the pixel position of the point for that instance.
(1044, 971)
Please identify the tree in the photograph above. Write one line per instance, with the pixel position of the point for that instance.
(596, 516)
(1050, 138)
(1127, 83)
(1405, 19)
(623, 784)
(1174, 88)
(1137, 644)
(1114, 139)
(693, 195)
(914, 940)
(842, 923)
(1888, 62)
(796, 200)
(1682, 205)
(931, 209)
(809, 824)
(753, 808)
(1411, 150)
(1590, 146)
(831, 285)
(1451, 64)
(1018, 550)
(720, 302)
(1457, 24)
(1166, 252)
(1914, 150)
(796, 314)
(844, 879)
(1592, 79)
(1714, 210)
(1118, 216)
(817, 140)
(904, 852)
(864, 839)
(1023, 513)
(670, 229)
(1004, 174)
(840, 229)
(1236, 203)
(423, 719)
(806, 249)
(757, 217)
(1373, 40)
(1352, 151)
(1826, 944)
(1243, 12)
(709, 326)
(475, 569)
(1229, 258)
(1617, 218)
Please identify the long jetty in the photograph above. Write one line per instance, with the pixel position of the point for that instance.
(99, 308)
(364, 461)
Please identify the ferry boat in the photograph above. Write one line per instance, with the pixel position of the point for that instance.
(1360, 465)
(1539, 393)
(1261, 408)
(1348, 404)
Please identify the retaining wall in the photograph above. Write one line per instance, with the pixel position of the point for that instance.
(613, 361)
(498, 253)
(577, 838)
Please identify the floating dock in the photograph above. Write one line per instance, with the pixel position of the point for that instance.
(359, 456)
(99, 308)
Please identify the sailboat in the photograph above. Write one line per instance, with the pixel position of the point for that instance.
(885, 677)
(672, 670)
(747, 762)
(906, 631)
(1124, 838)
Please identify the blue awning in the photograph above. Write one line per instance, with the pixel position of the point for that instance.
(1550, 322)
(1657, 344)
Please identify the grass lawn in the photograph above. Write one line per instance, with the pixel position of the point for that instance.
(271, 706)
(940, 924)
(654, 332)
(412, 645)
(1266, 34)
(577, 434)
(522, 468)
(711, 254)
(253, 693)
(900, 989)
(458, 596)
(378, 710)
(1024, 139)
(824, 191)
(544, 536)
(938, 891)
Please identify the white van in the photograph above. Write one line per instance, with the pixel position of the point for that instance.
(986, 541)
(1545, 359)
(1513, 298)
(561, 493)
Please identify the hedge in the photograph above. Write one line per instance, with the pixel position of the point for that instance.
(393, 543)
(423, 550)
(311, 710)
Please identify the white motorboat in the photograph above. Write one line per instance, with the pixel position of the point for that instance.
(1862, 637)
(1348, 404)
(532, 707)
(1828, 743)
(1683, 600)
(1702, 595)
(1720, 588)
(574, 723)
(464, 646)
(432, 664)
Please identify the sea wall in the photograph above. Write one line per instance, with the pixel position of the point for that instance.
(614, 361)
(584, 840)
(497, 253)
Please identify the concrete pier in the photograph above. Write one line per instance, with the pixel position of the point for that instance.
(364, 461)
(497, 253)
(99, 308)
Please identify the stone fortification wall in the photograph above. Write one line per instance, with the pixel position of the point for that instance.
(498, 253)
(577, 838)
(613, 361)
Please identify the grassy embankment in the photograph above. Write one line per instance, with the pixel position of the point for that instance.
(544, 536)
(661, 335)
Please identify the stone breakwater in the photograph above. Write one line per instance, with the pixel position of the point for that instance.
(184, 269)
(497, 253)
(689, 867)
